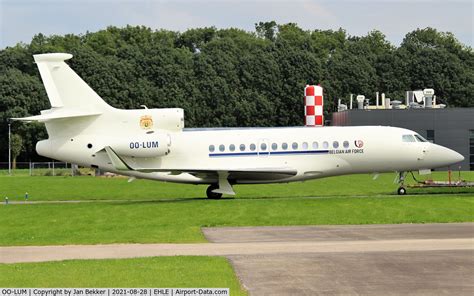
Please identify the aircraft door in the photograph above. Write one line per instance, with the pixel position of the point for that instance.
(263, 148)
(423, 151)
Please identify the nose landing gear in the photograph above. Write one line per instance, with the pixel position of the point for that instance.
(401, 180)
(401, 191)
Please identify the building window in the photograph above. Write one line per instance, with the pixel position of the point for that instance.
(471, 150)
(430, 136)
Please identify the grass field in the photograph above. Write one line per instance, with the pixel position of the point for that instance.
(180, 220)
(150, 212)
(99, 188)
(206, 272)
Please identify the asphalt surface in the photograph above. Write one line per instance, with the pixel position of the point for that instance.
(373, 271)
(413, 259)
(339, 232)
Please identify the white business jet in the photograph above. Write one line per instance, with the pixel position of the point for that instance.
(153, 143)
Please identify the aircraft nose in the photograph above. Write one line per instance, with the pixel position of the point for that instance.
(446, 156)
(455, 156)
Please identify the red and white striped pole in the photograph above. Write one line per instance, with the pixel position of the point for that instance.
(313, 105)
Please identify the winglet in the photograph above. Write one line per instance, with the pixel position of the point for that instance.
(117, 162)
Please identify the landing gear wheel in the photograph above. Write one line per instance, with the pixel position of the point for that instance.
(401, 191)
(213, 195)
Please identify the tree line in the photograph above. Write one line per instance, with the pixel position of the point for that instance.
(231, 77)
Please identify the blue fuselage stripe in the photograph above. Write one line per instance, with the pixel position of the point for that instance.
(268, 153)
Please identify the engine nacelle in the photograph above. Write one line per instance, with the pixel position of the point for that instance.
(153, 145)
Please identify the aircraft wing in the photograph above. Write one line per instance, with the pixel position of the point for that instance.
(270, 173)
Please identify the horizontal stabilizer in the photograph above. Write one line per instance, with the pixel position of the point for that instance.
(58, 113)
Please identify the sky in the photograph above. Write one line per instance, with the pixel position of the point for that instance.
(20, 20)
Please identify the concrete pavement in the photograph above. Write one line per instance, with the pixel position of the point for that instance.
(55, 253)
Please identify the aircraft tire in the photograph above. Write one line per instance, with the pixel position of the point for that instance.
(401, 191)
(213, 195)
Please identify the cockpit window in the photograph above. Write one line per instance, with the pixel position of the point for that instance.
(420, 138)
(408, 138)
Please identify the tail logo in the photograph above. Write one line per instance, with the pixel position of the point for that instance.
(146, 122)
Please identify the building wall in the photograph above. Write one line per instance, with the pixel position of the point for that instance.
(451, 126)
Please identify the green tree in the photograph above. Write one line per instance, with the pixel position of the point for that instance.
(437, 60)
(230, 77)
(16, 143)
(267, 30)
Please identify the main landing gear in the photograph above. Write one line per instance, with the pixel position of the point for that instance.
(215, 191)
(213, 195)
(401, 179)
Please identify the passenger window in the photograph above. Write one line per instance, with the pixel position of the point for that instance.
(305, 146)
(335, 144)
(346, 144)
(263, 146)
(242, 147)
(325, 145)
(408, 138)
(212, 148)
(315, 145)
(274, 146)
(232, 147)
(284, 146)
(221, 148)
(253, 147)
(294, 145)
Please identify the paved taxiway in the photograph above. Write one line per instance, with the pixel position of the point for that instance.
(422, 271)
(421, 259)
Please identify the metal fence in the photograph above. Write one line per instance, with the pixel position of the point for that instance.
(50, 168)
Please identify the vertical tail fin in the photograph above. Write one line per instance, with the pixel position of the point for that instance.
(72, 100)
(64, 87)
